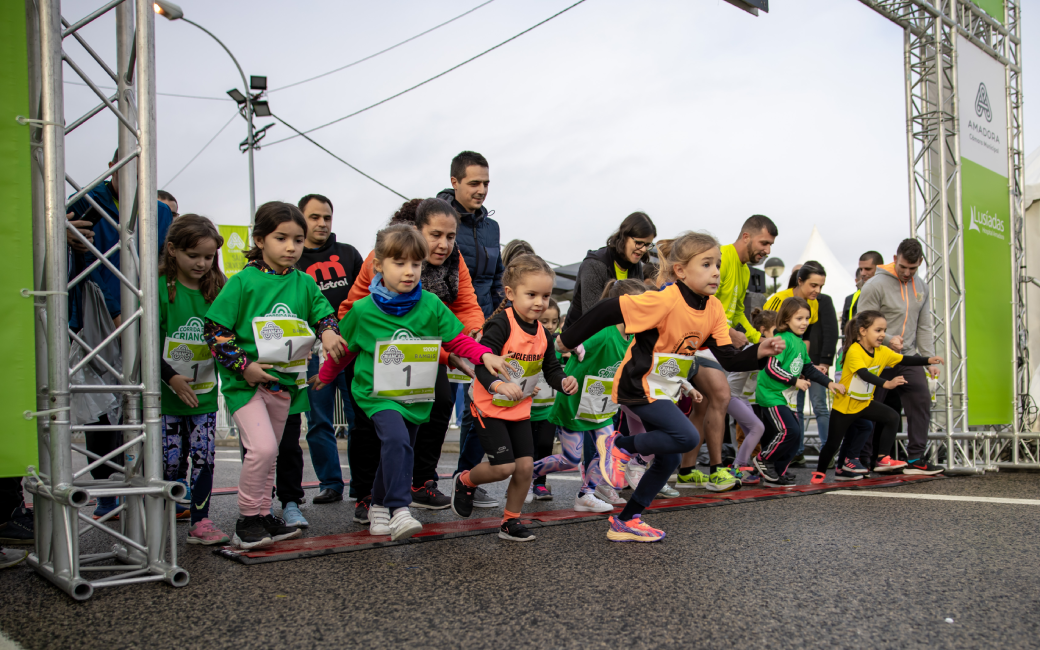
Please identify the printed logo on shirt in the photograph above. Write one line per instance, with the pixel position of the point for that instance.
(404, 335)
(596, 389)
(326, 269)
(191, 331)
(391, 356)
(796, 366)
(280, 309)
(271, 331)
(669, 369)
(182, 353)
(515, 369)
(690, 343)
(611, 371)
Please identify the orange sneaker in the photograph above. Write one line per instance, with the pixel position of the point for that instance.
(817, 478)
(888, 464)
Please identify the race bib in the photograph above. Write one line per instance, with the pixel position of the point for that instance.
(283, 340)
(791, 397)
(751, 387)
(596, 404)
(459, 377)
(526, 375)
(861, 390)
(666, 375)
(405, 369)
(192, 360)
(545, 395)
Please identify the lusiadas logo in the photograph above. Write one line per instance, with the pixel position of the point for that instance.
(986, 223)
(982, 105)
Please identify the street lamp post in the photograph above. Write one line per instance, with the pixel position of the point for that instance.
(774, 268)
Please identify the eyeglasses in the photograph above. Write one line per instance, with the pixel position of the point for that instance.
(642, 245)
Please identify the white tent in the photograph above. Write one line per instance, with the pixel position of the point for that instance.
(840, 282)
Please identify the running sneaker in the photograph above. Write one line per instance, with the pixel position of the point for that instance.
(610, 495)
(612, 461)
(292, 516)
(514, 531)
(19, 529)
(766, 469)
(634, 471)
(840, 474)
(481, 499)
(786, 480)
(853, 466)
(251, 533)
(461, 497)
(277, 529)
(184, 509)
(361, 510)
(379, 518)
(692, 479)
(817, 478)
(542, 493)
(668, 492)
(633, 530)
(530, 494)
(429, 497)
(106, 505)
(403, 525)
(745, 475)
(589, 503)
(922, 467)
(721, 480)
(10, 557)
(205, 533)
(889, 464)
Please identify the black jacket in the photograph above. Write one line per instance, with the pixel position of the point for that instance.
(848, 310)
(823, 338)
(334, 266)
(479, 240)
(595, 270)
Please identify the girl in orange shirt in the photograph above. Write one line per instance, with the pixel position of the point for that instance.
(669, 327)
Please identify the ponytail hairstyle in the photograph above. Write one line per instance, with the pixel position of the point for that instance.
(862, 320)
(618, 288)
(681, 250)
(186, 232)
(418, 212)
(763, 319)
(268, 217)
(520, 267)
(400, 241)
(514, 248)
(788, 309)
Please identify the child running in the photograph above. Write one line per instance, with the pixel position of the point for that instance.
(189, 280)
(543, 431)
(591, 408)
(502, 408)
(865, 357)
(669, 326)
(742, 387)
(395, 333)
(775, 394)
(260, 330)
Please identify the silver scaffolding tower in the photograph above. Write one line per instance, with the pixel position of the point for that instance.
(933, 147)
(143, 549)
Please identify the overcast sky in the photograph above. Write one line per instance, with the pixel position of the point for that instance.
(691, 110)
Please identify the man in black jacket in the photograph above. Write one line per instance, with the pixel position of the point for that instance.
(823, 342)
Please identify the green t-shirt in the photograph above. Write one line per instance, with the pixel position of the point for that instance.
(595, 375)
(540, 411)
(184, 347)
(770, 392)
(365, 325)
(277, 314)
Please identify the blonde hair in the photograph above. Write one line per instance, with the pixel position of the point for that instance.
(681, 250)
(520, 267)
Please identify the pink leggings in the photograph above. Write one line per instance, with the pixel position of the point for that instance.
(260, 424)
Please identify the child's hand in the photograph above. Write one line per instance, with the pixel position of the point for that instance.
(332, 344)
(688, 389)
(570, 385)
(802, 384)
(895, 381)
(315, 383)
(509, 391)
(182, 388)
(933, 369)
(836, 388)
(495, 364)
(771, 347)
(254, 373)
(455, 361)
(580, 351)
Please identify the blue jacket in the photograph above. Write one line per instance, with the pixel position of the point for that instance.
(105, 236)
(478, 239)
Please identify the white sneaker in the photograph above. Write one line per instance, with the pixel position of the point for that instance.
(610, 495)
(379, 520)
(403, 525)
(589, 503)
(530, 494)
(634, 471)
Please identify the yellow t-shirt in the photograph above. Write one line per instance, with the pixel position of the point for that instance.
(773, 304)
(858, 393)
(620, 273)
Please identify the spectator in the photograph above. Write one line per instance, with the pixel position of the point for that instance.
(868, 263)
(170, 201)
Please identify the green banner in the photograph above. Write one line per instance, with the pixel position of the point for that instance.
(995, 8)
(17, 382)
(232, 253)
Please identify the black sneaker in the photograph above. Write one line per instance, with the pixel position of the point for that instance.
(277, 529)
(461, 497)
(429, 497)
(766, 469)
(514, 531)
(922, 467)
(251, 533)
(361, 510)
(19, 530)
(785, 480)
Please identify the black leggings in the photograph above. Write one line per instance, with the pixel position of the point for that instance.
(544, 434)
(884, 434)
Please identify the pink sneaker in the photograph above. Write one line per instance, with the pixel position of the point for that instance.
(888, 464)
(612, 461)
(206, 533)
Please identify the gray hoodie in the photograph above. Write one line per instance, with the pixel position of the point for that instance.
(905, 307)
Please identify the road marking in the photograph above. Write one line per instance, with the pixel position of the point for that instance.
(938, 497)
(228, 460)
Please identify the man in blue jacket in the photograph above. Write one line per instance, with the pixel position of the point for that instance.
(478, 239)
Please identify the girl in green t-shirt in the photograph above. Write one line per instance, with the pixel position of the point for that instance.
(189, 280)
(778, 383)
(261, 329)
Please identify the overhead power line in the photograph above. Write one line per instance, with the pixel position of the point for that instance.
(423, 83)
(212, 99)
(384, 51)
(309, 139)
(167, 183)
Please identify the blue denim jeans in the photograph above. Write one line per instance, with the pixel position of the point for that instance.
(321, 435)
(471, 452)
(460, 402)
(818, 399)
